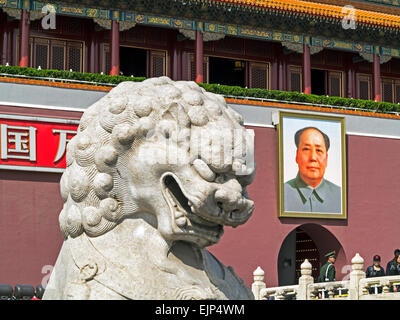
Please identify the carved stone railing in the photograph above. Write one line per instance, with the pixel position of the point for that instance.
(380, 288)
(357, 288)
(329, 290)
(279, 293)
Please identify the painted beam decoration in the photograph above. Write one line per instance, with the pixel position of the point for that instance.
(34, 143)
(117, 15)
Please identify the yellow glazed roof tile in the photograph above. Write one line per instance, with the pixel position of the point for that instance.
(321, 9)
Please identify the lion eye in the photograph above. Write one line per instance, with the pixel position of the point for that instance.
(220, 178)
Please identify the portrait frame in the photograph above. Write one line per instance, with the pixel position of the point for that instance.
(282, 125)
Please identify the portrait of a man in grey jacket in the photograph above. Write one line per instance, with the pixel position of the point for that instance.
(309, 191)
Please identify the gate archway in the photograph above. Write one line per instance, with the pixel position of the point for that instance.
(308, 241)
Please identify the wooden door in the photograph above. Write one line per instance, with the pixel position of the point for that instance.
(306, 249)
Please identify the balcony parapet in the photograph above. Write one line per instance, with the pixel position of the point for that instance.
(358, 287)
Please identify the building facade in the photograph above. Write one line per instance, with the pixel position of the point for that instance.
(320, 47)
(303, 46)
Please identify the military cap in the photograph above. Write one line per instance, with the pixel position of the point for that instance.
(377, 258)
(331, 254)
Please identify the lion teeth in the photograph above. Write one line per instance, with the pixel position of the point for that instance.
(178, 214)
(181, 222)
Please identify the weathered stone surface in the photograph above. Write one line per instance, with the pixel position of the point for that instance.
(155, 172)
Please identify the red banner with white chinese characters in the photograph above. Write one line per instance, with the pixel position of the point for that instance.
(34, 143)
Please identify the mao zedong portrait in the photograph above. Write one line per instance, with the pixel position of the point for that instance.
(310, 191)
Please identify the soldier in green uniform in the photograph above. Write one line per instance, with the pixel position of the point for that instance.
(328, 271)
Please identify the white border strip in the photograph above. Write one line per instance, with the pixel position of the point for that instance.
(35, 169)
(40, 119)
(40, 106)
(259, 125)
(373, 135)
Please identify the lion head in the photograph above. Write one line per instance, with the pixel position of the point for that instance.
(167, 152)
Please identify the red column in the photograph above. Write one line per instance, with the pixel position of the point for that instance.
(24, 39)
(349, 80)
(5, 35)
(377, 78)
(199, 57)
(185, 65)
(9, 46)
(274, 74)
(306, 69)
(94, 52)
(114, 48)
(177, 62)
(247, 74)
(350, 89)
(282, 73)
(171, 36)
(275, 68)
(280, 77)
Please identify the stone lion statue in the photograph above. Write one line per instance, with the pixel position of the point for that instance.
(155, 171)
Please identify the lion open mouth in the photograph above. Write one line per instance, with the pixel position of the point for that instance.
(184, 213)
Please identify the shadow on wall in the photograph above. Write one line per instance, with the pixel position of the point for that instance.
(324, 242)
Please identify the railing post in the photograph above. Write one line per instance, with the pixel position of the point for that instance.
(331, 292)
(356, 275)
(258, 283)
(386, 286)
(304, 280)
(280, 294)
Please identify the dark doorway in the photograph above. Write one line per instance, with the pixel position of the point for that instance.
(133, 61)
(227, 71)
(309, 241)
(318, 82)
(296, 247)
(287, 261)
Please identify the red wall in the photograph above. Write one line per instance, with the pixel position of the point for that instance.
(29, 234)
(30, 203)
(373, 189)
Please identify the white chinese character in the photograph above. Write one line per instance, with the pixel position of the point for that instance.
(62, 144)
(24, 140)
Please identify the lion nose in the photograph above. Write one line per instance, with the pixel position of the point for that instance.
(228, 200)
